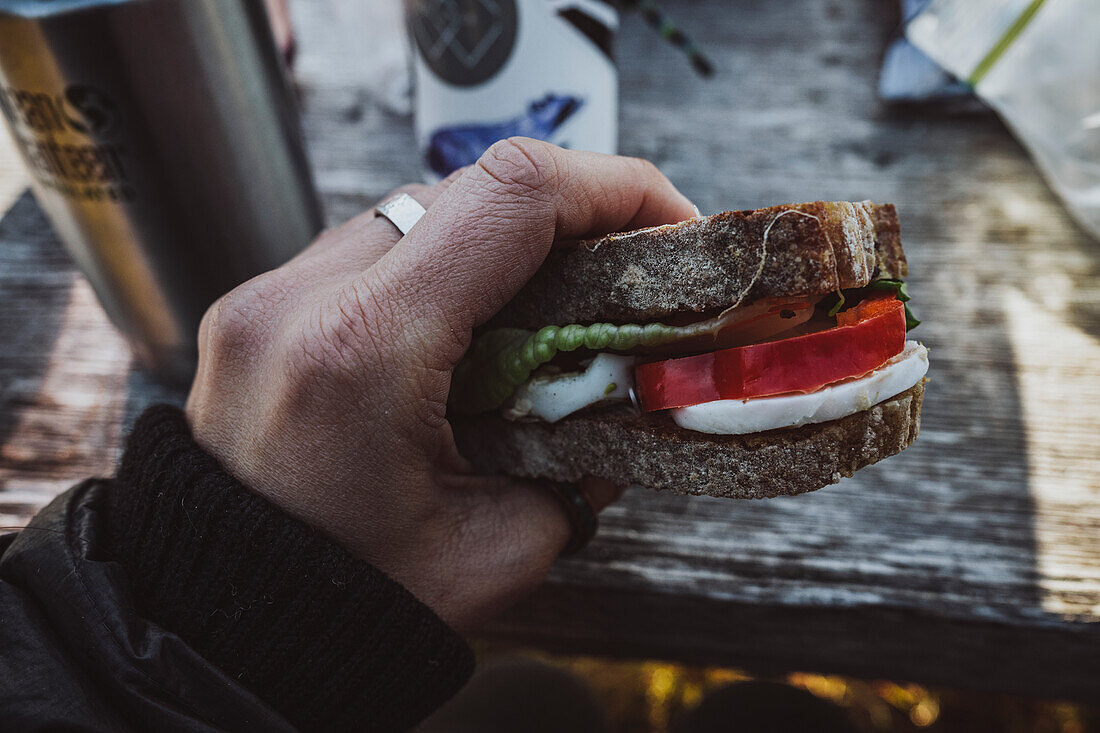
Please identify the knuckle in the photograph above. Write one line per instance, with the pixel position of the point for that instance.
(455, 175)
(234, 327)
(521, 165)
(647, 168)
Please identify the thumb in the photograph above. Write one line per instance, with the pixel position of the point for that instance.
(512, 532)
(489, 232)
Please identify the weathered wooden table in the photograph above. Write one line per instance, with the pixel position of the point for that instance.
(973, 559)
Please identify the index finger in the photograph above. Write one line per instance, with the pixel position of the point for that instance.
(491, 230)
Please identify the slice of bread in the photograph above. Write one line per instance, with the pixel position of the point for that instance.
(711, 262)
(619, 445)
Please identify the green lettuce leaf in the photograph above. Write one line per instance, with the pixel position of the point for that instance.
(897, 287)
(501, 360)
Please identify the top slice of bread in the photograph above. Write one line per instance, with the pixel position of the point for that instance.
(711, 262)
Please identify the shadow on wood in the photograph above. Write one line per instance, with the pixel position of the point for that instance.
(36, 276)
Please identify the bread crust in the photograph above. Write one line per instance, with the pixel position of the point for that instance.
(889, 257)
(619, 445)
(711, 262)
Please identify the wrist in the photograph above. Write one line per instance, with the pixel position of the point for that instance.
(255, 591)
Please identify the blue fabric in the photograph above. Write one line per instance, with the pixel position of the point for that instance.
(44, 8)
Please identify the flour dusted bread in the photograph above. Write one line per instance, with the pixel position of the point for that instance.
(619, 445)
(711, 262)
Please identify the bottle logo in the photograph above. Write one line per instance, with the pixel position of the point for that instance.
(464, 42)
(67, 141)
(88, 110)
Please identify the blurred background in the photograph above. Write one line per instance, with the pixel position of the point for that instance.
(620, 696)
(971, 562)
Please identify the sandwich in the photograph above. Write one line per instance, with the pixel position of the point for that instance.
(747, 354)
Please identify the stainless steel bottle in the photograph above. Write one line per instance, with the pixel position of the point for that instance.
(162, 141)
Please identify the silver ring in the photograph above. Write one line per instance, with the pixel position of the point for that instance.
(402, 210)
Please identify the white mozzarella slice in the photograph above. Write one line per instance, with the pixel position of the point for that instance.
(736, 417)
(607, 377)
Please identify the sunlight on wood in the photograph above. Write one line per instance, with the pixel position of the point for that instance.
(13, 176)
(1059, 384)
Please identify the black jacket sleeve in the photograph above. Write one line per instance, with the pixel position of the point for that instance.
(172, 598)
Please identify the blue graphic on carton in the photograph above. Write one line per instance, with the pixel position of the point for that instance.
(450, 148)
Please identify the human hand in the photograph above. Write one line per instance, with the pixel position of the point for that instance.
(323, 385)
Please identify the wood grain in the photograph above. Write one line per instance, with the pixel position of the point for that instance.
(972, 559)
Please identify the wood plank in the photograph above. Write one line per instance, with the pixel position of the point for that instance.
(972, 558)
(66, 383)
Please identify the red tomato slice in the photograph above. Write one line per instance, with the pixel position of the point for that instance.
(875, 333)
(870, 306)
(780, 317)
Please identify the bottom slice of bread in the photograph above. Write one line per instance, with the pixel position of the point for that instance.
(617, 444)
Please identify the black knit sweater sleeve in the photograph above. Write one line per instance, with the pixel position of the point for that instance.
(327, 640)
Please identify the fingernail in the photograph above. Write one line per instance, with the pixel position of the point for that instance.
(697, 212)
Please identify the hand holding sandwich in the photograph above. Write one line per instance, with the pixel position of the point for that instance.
(323, 385)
